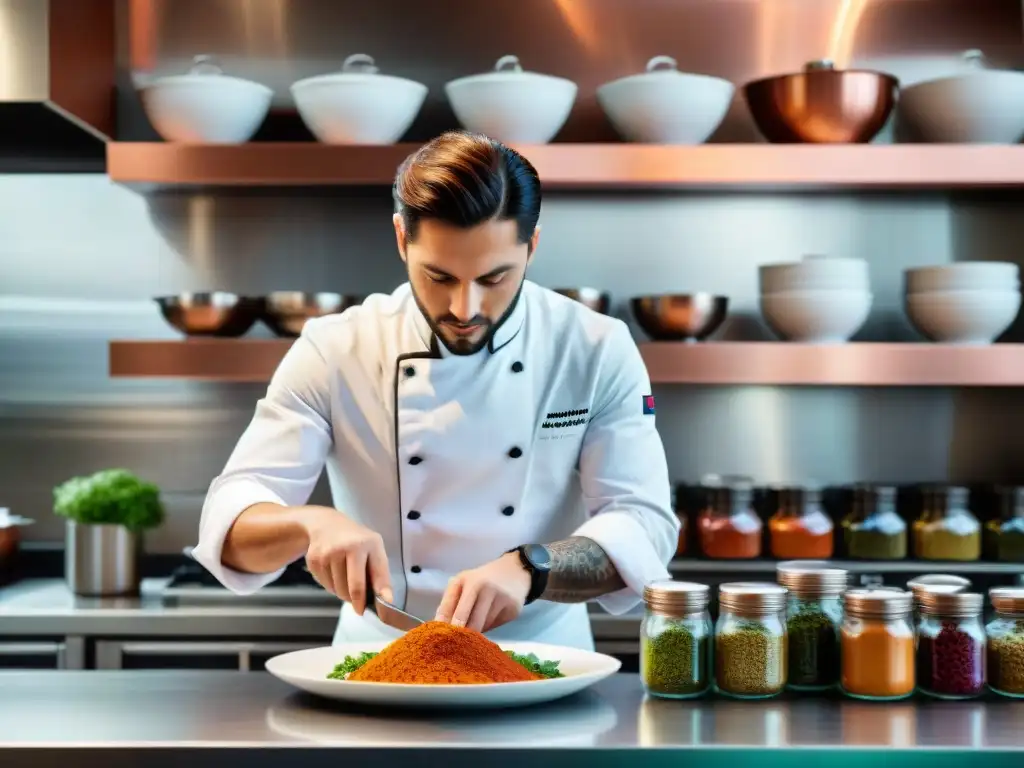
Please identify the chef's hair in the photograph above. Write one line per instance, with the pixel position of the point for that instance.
(465, 179)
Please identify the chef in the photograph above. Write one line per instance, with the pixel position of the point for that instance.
(490, 444)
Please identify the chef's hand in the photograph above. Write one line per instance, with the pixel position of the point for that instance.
(343, 555)
(488, 596)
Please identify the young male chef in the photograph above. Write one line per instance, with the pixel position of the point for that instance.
(490, 444)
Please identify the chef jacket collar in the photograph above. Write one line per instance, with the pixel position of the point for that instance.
(502, 335)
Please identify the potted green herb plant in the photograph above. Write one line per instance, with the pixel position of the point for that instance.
(106, 514)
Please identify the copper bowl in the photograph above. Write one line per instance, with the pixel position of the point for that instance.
(214, 313)
(599, 301)
(681, 317)
(822, 105)
(287, 312)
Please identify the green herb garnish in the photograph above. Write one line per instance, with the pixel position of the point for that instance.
(548, 669)
(349, 665)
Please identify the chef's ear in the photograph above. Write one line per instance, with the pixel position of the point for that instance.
(399, 234)
(534, 239)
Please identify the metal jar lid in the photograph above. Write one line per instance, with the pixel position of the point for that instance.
(955, 605)
(752, 597)
(1007, 599)
(676, 598)
(937, 582)
(877, 603)
(809, 581)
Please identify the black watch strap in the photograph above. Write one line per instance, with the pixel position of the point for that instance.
(536, 559)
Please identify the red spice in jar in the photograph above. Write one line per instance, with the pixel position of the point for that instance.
(952, 663)
(721, 538)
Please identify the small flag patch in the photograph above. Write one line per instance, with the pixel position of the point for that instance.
(648, 405)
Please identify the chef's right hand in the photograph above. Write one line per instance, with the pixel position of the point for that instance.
(342, 555)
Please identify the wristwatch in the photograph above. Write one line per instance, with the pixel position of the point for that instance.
(537, 561)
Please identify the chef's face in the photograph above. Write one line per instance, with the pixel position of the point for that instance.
(465, 281)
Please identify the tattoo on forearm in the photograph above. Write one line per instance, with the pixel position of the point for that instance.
(580, 571)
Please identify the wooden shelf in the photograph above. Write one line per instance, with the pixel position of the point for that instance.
(726, 363)
(586, 166)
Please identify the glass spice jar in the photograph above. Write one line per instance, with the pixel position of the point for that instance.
(675, 640)
(729, 527)
(951, 645)
(872, 528)
(1004, 535)
(935, 582)
(750, 640)
(946, 529)
(814, 618)
(877, 644)
(799, 528)
(1005, 635)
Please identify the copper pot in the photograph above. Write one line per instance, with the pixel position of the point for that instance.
(822, 105)
(10, 543)
(599, 301)
(286, 312)
(680, 317)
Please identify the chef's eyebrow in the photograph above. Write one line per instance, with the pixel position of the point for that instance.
(493, 273)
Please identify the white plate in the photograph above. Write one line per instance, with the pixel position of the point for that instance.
(308, 671)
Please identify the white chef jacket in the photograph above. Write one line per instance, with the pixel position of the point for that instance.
(544, 434)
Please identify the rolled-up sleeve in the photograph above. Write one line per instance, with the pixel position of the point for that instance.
(278, 459)
(624, 476)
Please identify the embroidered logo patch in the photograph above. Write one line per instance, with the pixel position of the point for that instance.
(648, 405)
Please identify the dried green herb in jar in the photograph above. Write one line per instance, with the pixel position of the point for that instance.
(750, 660)
(875, 545)
(813, 649)
(677, 662)
(1006, 661)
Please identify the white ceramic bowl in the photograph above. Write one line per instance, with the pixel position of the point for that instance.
(963, 276)
(358, 105)
(963, 317)
(205, 106)
(985, 106)
(511, 105)
(815, 273)
(666, 106)
(816, 317)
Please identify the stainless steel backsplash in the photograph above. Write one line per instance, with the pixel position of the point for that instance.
(80, 259)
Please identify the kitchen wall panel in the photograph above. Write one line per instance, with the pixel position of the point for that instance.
(80, 258)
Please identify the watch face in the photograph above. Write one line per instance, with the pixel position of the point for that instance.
(539, 556)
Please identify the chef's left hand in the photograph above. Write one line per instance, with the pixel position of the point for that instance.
(486, 597)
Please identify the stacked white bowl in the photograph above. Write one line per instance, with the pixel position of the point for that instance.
(970, 302)
(819, 300)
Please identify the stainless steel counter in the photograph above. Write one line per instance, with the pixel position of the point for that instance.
(46, 607)
(111, 715)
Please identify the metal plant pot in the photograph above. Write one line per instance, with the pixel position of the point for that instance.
(101, 560)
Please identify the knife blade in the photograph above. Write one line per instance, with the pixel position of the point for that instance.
(388, 613)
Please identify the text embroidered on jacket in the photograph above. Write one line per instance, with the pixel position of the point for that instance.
(563, 419)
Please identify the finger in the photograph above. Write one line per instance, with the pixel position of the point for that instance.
(482, 609)
(355, 565)
(449, 601)
(504, 615)
(339, 578)
(380, 576)
(493, 617)
(468, 598)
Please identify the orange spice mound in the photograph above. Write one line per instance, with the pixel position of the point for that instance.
(440, 654)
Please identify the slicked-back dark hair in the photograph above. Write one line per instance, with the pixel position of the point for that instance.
(465, 179)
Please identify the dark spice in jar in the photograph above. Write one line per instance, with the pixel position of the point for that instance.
(813, 649)
(677, 662)
(875, 545)
(952, 662)
(750, 660)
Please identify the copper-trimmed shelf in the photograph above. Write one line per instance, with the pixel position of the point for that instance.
(586, 166)
(726, 363)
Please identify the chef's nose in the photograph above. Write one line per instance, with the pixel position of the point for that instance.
(466, 302)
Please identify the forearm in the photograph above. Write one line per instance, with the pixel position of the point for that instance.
(266, 537)
(580, 571)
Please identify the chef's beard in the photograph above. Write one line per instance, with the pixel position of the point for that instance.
(462, 346)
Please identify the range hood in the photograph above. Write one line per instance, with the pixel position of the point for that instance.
(57, 96)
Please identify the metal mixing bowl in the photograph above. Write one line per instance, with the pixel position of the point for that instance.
(286, 312)
(680, 317)
(599, 301)
(214, 313)
(822, 105)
